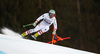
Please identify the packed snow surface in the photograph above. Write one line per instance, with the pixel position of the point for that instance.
(12, 43)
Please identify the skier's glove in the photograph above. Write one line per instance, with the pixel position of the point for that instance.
(34, 24)
(54, 32)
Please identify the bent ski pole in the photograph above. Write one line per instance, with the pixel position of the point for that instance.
(27, 25)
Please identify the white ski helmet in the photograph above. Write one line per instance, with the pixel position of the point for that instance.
(52, 12)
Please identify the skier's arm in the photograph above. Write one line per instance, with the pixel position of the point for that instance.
(54, 26)
(38, 19)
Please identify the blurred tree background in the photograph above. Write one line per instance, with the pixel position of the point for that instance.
(78, 19)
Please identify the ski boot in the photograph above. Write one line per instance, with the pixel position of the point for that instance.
(24, 35)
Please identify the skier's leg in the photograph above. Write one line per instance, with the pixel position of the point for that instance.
(37, 28)
(45, 29)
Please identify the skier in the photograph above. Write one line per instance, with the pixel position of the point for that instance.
(43, 26)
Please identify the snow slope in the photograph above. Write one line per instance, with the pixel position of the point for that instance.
(13, 43)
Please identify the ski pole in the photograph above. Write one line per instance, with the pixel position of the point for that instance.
(52, 39)
(28, 25)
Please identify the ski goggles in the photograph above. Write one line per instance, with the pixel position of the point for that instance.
(51, 14)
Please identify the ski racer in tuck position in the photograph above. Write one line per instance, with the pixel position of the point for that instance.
(43, 26)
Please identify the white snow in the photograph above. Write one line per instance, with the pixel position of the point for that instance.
(12, 43)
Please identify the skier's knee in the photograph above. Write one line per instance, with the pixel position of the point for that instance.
(45, 29)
